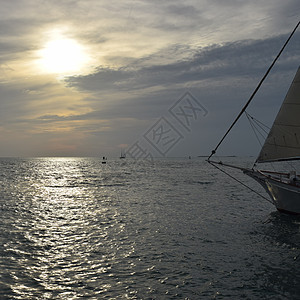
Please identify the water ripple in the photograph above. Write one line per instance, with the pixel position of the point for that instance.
(73, 228)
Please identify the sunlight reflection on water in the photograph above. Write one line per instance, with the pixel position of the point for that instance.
(71, 230)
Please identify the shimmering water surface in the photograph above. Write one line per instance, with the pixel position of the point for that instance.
(173, 229)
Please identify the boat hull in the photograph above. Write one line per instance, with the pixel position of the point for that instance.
(285, 196)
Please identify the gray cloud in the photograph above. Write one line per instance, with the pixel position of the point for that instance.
(150, 53)
(222, 77)
(237, 59)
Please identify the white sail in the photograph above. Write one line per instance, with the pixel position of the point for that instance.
(283, 141)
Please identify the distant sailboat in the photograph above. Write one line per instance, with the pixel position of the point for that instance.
(281, 144)
(123, 154)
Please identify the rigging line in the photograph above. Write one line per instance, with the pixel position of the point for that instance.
(254, 124)
(255, 91)
(260, 124)
(254, 129)
(240, 182)
(257, 129)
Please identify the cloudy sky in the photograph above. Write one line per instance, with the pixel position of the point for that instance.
(87, 78)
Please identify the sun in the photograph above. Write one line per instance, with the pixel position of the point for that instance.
(63, 56)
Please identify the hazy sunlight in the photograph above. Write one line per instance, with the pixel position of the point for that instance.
(63, 56)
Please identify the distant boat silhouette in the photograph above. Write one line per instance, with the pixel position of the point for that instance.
(104, 159)
(123, 154)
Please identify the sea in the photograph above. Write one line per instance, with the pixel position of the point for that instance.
(171, 228)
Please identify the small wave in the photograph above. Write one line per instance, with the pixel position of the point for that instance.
(204, 182)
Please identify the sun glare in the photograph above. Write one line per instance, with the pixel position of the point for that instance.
(63, 56)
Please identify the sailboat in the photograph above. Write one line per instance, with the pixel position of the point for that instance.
(281, 144)
(123, 154)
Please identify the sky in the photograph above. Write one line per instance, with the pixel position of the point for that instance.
(158, 78)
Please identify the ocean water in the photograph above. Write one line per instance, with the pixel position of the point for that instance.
(75, 228)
